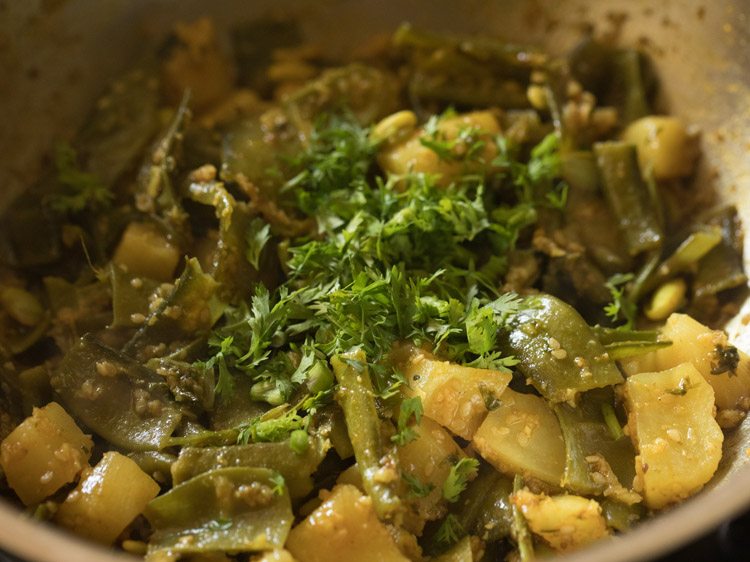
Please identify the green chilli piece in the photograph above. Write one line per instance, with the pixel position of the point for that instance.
(374, 456)
(557, 351)
(628, 196)
(116, 397)
(237, 509)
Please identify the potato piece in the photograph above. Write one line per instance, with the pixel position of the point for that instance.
(107, 499)
(522, 435)
(670, 417)
(665, 145)
(45, 452)
(695, 343)
(454, 396)
(429, 459)
(566, 522)
(143, 250)
(344, 527)
(411, 155)
(197, 63)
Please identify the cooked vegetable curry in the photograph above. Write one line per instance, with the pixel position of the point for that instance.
(450, 300)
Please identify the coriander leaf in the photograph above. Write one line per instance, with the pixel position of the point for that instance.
(450, 531)
(410, 408)
(271, 429)
(417, 489)
(305, 364)
(621, 307)
(256, 237)
(458, 478)
(78, 190)
(279, 484)
(481, 329)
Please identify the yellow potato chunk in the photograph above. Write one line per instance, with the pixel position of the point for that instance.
(694, 343)
(454, 396)
(344, 527)
(670, 417)
(565, 522)
(664, 145)
(429, 459)
(45, 452)
(197, 63)
(522, 435)
(107, 499)
(144, 251)
(467, 140)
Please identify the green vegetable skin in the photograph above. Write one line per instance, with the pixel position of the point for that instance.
(295, 468)
(557, 351)
(235, 509)
(120, 400)
(628, 196)
(586, 433)
(375, 459)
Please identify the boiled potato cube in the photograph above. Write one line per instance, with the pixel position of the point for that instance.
(412, 156)
(429, 459)
(45, 452)
(522, 435)
(454, 396)
(344, 527)
(670, 417)
(145, 251)
(566, 522)
(664, 145)
(692, 342)
(107, 499)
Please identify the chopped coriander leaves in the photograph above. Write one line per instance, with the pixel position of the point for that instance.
(411, 408)
(621, 308)
(417, 489)
(450, 531)
(459, 477)
(78, 190)
(279, 484)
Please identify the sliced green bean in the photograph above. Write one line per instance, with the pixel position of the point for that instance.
(235, 509)
(484, 509)
(295, 468)
(586, 434)
(557, 351)
(377, 461)
(721, 268)
(520, 528)
(189, 309)
(229, 264)
(628, 196)
(621, 516)
(621, 343)
(116, 397)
